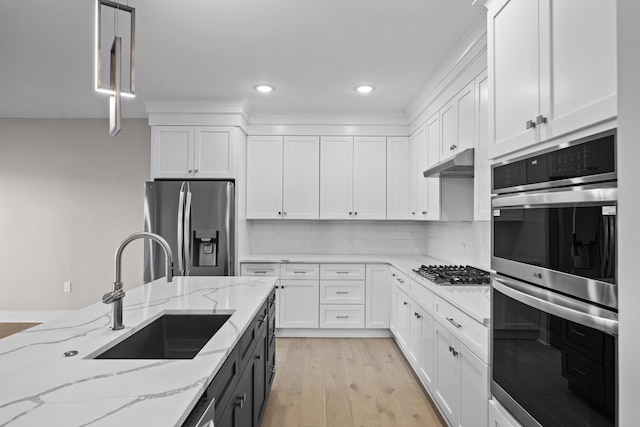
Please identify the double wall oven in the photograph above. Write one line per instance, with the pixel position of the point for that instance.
(554, 285)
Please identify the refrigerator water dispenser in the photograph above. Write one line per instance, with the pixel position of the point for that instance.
(205, 247)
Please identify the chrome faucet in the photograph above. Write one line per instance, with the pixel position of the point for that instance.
(115, 297)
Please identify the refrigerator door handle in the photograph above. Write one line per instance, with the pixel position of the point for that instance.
(187, 231)
(181, 229)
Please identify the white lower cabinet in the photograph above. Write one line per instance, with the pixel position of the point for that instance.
(461, 386)
(377, 295)
(500, 417)
(299, 303)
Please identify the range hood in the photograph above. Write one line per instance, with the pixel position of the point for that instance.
(458, 166)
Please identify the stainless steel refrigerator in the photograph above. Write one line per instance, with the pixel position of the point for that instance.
(196, 218)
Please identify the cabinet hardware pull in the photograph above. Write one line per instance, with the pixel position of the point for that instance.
(342, 317)
(284, 213)
(279, 212)
(260, 272)
(405, 303)
(241, 400)
(195, 171)
(264, 318)
(530, 124)
(342, 292)
(299, 272)
(273, 369)
(424, 212)
(453, 350)
(190, 170)
(259, 357)
(349, 213)
(413, 213)
(578, 333)
(454, 323)
(342, 272)
(541, 119)
(584, 374)
(417, 315)
(355, 213)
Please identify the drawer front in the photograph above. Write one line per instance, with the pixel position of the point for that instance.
(342, 271)
(342, 292)
(341, 316)
(422, 296)
(299, 271)
(468, 331)
(260, 270)
(401, 280)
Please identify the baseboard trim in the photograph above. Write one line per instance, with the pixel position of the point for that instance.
(35, 316)
(332, 333)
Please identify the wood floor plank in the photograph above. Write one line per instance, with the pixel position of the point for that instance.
(345, 383)
(7, 329)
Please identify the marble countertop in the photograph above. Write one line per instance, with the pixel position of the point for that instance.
(473, 300)
(39, 386)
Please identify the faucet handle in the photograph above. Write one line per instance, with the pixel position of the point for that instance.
(110, 297)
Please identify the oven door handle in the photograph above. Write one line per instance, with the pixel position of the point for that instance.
(558, 305)
(594, 193)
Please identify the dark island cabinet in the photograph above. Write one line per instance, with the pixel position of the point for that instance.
(240, 389)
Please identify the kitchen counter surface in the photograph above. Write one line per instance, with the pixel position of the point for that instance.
(42, 387)
(473, 300)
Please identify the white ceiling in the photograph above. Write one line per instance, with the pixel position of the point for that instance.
(313, 51)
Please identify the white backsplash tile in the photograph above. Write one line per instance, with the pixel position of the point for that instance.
(451, 242)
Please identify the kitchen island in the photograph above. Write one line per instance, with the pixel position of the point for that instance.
(42, 386)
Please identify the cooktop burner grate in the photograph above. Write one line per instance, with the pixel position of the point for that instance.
(454, 275)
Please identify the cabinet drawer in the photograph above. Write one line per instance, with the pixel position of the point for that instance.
(400, 280)
(300, 271)
(341, 292)
(469, 332)
(341, 316)
(260, 270)
(342, 271)
(422, 296)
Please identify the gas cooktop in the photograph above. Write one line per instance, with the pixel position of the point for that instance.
(448, 275)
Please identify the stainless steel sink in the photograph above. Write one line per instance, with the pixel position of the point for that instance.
(171, 336)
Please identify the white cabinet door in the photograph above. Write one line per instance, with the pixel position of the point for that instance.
(301, 177)
(415, 336)
(427, 344)
(482, 178)
(212, 153)
(474, 389)
(299, 303)
(431, 186)
(499, 417)
(172, 151)
(423, 185)
(264, 177)
(370, 178)
(336, 177)
(578, 64)
(378, 293)
(402, 320)
(398, 176)
(447, 374)
(514, 61)
(457, 121)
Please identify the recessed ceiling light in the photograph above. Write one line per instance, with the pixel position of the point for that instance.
(364, 88)
(264, 88)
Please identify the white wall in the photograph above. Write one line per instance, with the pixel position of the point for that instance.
(69, 194)
(453, 242)
(629, 207)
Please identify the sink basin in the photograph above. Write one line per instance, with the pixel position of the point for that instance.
(171, 336)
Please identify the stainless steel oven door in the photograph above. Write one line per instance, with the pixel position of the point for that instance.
(563, 239)
(553, 357)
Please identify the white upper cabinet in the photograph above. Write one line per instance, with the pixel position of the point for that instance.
(301, 177)
(353, 178)
(264, 177)
(192, 152)
(457, 120)
(552, 69)
(398, 178)
(370, 177)
(283, 179)
(336, 177)
(430, 187)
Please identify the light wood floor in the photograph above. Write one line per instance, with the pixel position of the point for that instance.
(345, 382)
(7, 329)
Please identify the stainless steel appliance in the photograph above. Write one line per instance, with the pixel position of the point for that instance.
(196, 218)
(554, 285)
(448, 275)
